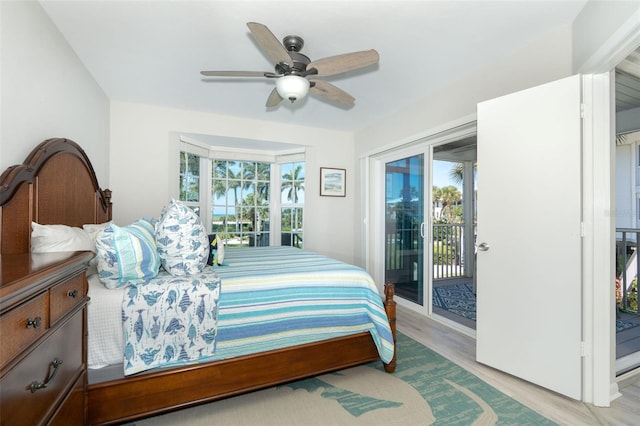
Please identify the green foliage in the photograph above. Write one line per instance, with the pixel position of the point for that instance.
(632, 296)
(440, 232)
(443, 254)
(293, 182)
(189, 177)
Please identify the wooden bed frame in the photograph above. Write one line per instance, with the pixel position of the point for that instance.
(57, 185)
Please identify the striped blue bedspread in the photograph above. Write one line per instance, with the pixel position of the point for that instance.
(274, 297)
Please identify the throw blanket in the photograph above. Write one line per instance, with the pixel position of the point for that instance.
(274, 297)
(170, 320)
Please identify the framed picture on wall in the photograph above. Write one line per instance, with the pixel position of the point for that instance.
(333, 182)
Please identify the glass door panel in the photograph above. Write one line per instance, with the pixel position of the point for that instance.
(404, 227)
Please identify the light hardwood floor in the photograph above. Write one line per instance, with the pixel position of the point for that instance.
(460, 348)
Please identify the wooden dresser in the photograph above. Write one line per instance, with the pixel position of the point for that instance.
(43, 364)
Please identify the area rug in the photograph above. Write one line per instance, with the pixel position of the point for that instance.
(458, 299)
(622, 325)
(426, 389)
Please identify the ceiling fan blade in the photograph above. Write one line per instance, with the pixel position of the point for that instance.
(331, 93)
(273, 99)
(345, 62)
(269, 43)
(233, 73)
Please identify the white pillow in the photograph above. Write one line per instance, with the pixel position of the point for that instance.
(52, 238)
(93, 229)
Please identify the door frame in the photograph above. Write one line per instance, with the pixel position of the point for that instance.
(374, 220)
(600, 385)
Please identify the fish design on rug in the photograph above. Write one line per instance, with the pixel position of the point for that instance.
(354, 403)
(155, 328)
(174, 326)
(152, 298)
(200, 310)
(132, 293)
(169, 353)
(171, 298)
(149, 355)
(211, 285)
(185, 302)
(138, 327)
(128, 354)
(165, 241)
(209, 336)
(183, 354)
(191, 335)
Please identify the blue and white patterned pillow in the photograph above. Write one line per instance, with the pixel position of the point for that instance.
(127, 254)
(181, 239)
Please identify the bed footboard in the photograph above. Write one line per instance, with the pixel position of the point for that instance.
(160, 391)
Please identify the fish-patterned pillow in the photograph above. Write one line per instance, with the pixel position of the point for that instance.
(183, 244)
(127, 254)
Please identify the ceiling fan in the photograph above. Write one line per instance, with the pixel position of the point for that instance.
(296, 74)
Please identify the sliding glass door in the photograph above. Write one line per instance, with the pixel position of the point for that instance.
(404, 226)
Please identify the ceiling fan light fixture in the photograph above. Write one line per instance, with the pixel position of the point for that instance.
(292, 87)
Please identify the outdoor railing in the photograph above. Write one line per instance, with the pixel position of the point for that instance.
(449, 255)
(448, 251)
(627, 269)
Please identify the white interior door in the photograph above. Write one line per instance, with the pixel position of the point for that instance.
(529, 218)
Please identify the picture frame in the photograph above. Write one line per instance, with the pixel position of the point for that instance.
(333, 182)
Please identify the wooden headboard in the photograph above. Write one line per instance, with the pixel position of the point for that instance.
(56, 184)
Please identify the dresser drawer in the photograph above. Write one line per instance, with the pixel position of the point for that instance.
(22, 326)
(65, 296)
(72, 411)
(20, 403)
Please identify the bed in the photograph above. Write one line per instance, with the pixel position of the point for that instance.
(57, 185)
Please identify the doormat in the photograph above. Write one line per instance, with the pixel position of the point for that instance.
(625, 325)
(458, 299)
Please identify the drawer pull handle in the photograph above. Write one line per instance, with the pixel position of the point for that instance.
(50, 375)
(73, 293)
(35, 323)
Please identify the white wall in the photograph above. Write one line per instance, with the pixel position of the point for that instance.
(144, 166)
(46, 91)
(546, 59)
(602, 27)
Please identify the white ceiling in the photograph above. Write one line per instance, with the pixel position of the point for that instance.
(151, 52)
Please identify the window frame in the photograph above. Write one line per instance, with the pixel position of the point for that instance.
(209, 154)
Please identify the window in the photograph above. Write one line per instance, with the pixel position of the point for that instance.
(292, 202)
(236, 195)
(190, 180)
(240, 201)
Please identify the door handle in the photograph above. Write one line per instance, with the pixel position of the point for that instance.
(422, 229)
(483, 247)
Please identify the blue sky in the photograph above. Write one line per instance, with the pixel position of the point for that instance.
(441, 177)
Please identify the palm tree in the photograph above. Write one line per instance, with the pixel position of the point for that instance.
(436, 194)
(224, 180)
(457, 173)
(292, 183)
(189, 176)
(450, 195)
